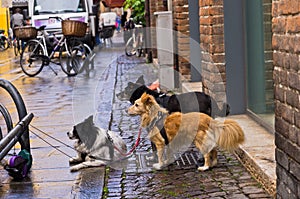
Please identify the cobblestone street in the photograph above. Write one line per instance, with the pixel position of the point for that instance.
(228, 179)
(60, 102)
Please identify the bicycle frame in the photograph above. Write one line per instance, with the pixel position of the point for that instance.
(135, 44)
(60, 43)
(72, 54)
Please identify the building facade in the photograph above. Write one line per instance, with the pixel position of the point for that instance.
(286, 51)
(249, 57)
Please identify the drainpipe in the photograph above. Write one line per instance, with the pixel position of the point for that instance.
(148, 33)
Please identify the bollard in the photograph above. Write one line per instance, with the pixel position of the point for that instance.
(21, 109)
(13, 136)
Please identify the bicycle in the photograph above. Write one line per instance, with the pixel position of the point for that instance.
(4, 42)
(135, 44)
(39, 52)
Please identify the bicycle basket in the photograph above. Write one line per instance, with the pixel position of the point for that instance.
(25, 32)
(73, 28)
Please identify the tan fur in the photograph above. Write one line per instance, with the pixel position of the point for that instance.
(206, 133)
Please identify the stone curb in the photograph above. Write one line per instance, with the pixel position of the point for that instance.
(256, 171)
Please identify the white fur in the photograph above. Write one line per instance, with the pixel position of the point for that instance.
(98, 150)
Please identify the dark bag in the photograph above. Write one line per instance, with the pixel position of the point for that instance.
(19, 165)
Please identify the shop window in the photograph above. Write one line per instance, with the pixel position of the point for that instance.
(260, 92)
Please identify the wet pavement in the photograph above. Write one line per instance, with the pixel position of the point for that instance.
(59, 102)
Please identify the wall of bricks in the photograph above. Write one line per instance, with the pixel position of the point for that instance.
(212, 47)
(286, 40)
(181, 27)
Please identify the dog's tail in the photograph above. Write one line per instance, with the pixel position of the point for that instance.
(230, 134)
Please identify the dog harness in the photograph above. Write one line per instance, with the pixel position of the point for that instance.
(159, 123)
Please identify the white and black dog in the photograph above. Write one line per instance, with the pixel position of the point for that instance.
(95, 146)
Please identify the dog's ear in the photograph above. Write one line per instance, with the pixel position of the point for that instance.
(140, 80)
(90, 119)
(146, 99)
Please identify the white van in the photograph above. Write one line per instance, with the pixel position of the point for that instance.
(41, 12)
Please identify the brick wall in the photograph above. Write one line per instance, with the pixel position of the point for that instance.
(181, 28)
(212, 47)
(286, 40)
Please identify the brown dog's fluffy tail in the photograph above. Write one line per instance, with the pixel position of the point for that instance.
(230, 133)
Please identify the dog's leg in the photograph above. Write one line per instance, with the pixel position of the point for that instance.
(86, 164)
(153, 156)
(169, 156)
(207, 164)
(77, 159)
(214, 157)
(159, 165)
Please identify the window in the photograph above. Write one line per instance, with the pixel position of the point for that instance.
(260, 92)
(58, 6)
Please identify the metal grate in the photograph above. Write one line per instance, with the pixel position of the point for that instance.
(187, 160)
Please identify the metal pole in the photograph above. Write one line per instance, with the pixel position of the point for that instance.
(22, 112)
(13, 136)
(148, 33)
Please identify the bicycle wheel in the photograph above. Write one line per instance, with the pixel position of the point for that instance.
(71, 56)
(140, 46)
(140, 49)
(17, 47)
(130, 50)
(3, 43)
(32, 58)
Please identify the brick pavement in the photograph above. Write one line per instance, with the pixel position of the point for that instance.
(229, 179)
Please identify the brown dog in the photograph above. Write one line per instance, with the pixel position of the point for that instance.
(179, 130)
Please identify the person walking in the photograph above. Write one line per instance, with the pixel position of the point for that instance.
(118, 23)
(17, 19)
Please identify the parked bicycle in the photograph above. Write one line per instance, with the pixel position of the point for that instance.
(72, 52)
(4, 41)
(135, 44)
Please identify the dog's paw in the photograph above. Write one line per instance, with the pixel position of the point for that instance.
(157, 166)
(74, 168)
(203, 168)
(74, 160)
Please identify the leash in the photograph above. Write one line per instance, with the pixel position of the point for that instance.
(137, 142)
(57, 147)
